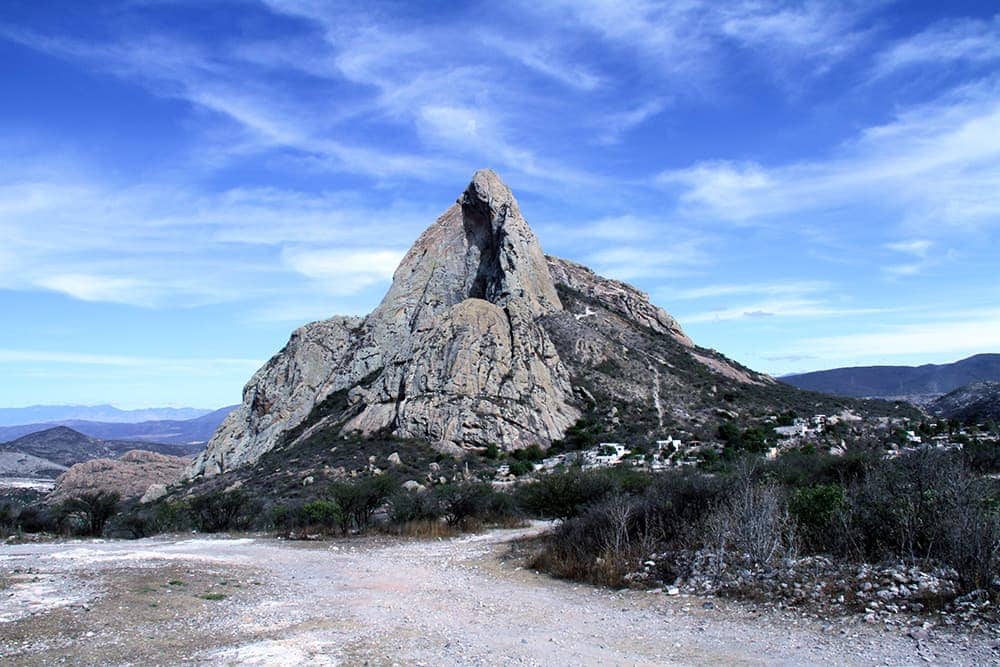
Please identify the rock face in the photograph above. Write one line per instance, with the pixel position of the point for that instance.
(130, 476)
(472, 345)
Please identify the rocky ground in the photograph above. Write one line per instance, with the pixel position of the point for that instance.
(389, 601)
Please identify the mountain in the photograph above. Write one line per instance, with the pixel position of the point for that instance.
(66, 447)
(101, 413)
(189, 431)
(923, 382)
(482, 340)
(976, 402)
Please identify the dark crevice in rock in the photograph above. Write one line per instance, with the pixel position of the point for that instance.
(488, 282)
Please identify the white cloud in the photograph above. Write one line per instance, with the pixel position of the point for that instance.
(344, 271)
(177, 246)
(937, 166)
(543, 59)
(686, 41)
(915, 247)
(942, 45)
(98, 288)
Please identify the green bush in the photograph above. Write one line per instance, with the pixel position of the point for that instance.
(817, 511)
(216, 512)
(560, 495)
(532, 453)
(325, 513)
(38, 519)
(584, 434)
(467, 504)
(520, 468)
(817, 506)
(409, 506)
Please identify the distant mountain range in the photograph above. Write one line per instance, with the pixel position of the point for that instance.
(36, 414)
(58, 448)
(167, 431)
(919, 383)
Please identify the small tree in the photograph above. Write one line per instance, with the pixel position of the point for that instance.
(214, 512)
(359, 500)
(90, 510)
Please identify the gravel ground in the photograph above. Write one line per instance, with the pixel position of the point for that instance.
(383, 601)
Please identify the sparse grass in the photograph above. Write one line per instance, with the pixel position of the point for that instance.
(213, 596)
(176, 582)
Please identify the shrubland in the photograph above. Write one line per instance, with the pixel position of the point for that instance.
(740, 518)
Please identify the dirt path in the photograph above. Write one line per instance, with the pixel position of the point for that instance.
(381, 601)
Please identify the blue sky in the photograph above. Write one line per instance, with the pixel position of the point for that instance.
(804, 185)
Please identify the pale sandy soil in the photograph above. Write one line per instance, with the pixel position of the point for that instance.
(384, 601)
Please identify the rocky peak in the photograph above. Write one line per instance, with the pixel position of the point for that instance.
(481, 248)
(510, 260)
(470, 347)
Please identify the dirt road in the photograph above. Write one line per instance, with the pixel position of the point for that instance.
(384, 601)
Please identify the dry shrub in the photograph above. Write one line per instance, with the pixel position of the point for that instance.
(600, 546)
(423, 529)
(752, 525)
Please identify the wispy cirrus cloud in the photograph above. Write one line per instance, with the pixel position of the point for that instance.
(936, 167)
(617, 124)
(168, 245)
(919, 254)
(628, 262)
(687, 41)
(969, 40)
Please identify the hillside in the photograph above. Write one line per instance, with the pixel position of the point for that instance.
(484, 341)
(921, 382)
(19, 464)
(975, 403)
(66, 447)
(179, 432)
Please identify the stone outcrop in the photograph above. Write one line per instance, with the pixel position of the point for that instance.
(623, 299)
(461, 350)
(130, 475)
